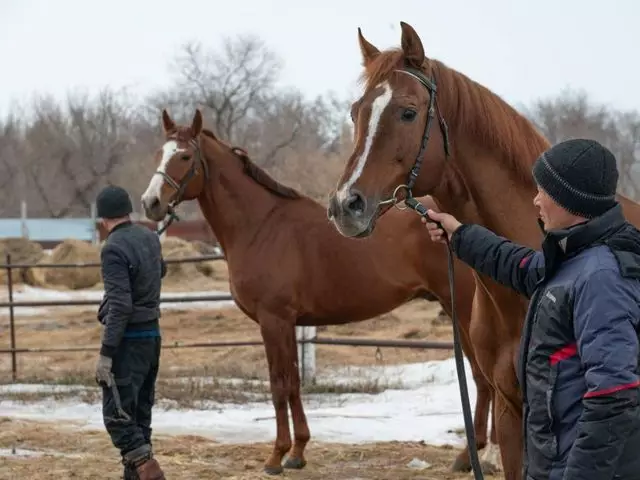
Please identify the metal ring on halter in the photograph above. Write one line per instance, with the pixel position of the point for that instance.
(393, 199)
(395, 196)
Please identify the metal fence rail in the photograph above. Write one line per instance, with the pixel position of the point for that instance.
(11, 304)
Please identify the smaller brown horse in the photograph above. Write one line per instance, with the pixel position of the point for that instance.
(288, 266)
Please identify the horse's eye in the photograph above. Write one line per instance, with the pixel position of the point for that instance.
(409, 115)
(185, 157)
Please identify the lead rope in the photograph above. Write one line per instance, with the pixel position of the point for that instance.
(416, 206)
(167, 222)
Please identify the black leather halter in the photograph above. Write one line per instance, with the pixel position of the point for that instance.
(430, 85)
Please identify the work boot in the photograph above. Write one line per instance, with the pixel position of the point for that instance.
(143, 465)
(150, 470)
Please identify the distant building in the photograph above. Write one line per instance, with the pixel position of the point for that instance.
(48, 231)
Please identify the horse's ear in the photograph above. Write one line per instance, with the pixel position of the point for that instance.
(196, 123)
(411, 46)
(167, 123)
(369, 52)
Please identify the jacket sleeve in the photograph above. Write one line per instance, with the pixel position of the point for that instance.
(508, 263)
(605, 313)
(117, 294)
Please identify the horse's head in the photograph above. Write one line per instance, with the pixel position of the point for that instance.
(181, 168)
(394, 136)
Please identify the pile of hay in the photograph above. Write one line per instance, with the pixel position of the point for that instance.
(68, 251)
(21, 250)
(215, 269)
(174, 247)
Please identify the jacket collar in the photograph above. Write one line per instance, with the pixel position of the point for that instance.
(558, 245)
(573, 239)
(119, 226)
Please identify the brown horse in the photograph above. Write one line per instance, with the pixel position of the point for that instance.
(288, 266)
(482, 174)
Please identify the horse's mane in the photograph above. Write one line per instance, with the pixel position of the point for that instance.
(256, 173)
(472, 108)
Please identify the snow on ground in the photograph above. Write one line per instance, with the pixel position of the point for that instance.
(426, 408)
(21, 452)
(26, 293)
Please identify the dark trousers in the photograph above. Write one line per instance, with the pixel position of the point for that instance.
(135, 369)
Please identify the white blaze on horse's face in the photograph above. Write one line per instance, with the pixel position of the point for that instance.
(378, 106)
(154, 190)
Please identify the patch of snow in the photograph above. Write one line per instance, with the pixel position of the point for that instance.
(27, 293)
(41, 388)
(427, 408)
(418, 464)
(21, 452)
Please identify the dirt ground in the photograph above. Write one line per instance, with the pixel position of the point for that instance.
(71, 453)
(78, 326)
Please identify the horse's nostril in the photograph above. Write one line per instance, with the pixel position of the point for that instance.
(155, 203)
(355, 203)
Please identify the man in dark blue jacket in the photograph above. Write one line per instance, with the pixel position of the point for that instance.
(132, 269)
(579, 353)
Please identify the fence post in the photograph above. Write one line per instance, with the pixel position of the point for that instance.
(306, 355)
(24, 230)
(12, 327)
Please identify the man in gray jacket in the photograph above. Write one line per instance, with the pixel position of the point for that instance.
(132, 269)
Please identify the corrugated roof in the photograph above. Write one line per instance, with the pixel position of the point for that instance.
(52, 229)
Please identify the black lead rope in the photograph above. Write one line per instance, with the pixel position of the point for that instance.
(172, 216)
(415, 205)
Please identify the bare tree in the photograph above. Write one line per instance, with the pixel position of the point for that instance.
(572, 115)
(229, 83)
(11, 177)
(67, 150)
(70, 153)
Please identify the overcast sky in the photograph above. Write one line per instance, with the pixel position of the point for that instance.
(522, 50)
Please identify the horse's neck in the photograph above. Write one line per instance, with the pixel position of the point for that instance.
(481, 189)
(631, 210)
(233, 204)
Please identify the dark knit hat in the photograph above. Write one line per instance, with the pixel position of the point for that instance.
(580, 175)
(113, 202)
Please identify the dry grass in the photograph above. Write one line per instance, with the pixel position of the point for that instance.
(88, 454)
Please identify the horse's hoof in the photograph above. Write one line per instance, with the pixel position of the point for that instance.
(489, 468)
(461, 464)
(273, 470)
(295, 463)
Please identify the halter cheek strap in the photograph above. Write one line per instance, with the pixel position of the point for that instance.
(433, 108)
(184, 182)
(191, 173)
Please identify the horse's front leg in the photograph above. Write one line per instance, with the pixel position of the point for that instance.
(301, 434)
(274, 335)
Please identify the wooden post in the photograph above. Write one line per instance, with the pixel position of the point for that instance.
(306, 355)
(12, 323)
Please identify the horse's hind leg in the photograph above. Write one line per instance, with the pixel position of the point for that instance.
(275, 332)
(508, 415)
(490, 460)
(295, 458)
